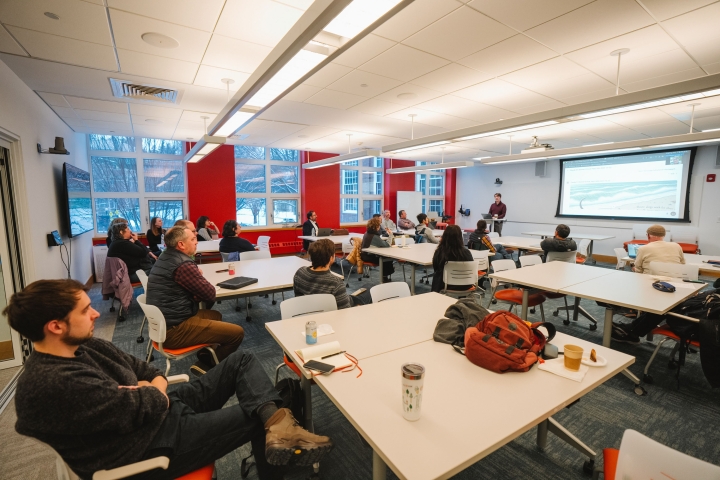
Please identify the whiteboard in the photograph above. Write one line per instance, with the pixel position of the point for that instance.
(411, 202)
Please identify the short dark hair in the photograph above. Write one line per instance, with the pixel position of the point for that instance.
(401, 212)
(498, 194)
(562, 230)
(40, 302)
(421, 217)
(175, 235)
(201, 222)
(376, 215)
(229, 228)
(309, 214)
(482, 225)
(321, 252)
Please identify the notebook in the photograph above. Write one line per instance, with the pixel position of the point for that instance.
(324, 232)
(632, 249)
(237, 282)
(316, 352)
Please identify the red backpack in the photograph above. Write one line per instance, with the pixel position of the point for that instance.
(503, 342)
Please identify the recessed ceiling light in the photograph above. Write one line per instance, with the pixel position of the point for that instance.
(51, 15)
(159, 40)
(152, 120)
(363, 85)
(407, 96)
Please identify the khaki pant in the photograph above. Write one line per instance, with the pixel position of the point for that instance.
(206, 327)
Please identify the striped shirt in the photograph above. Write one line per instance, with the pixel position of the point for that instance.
(311, 282)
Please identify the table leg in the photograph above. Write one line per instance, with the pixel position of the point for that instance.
(589, 253)
(412, 279)
(379, 467)
(381, 267)
(526, 296)
(306, 383)
(551, 425)
(607, 327)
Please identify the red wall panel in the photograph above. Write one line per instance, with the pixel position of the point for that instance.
(320, 190)
(450, 180)
(211, 186)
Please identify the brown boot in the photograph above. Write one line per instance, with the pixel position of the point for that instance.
(287, 443)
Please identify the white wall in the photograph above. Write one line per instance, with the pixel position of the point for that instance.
(532, 201)
(25, 116)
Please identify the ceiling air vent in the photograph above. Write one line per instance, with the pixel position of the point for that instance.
(154, 93)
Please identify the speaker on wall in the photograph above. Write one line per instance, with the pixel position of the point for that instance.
(540, 168)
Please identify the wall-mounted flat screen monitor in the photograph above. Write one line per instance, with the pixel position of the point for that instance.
(652, 186)
(78, 201)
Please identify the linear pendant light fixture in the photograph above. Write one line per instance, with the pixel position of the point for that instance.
(433, 166)
(323, 32)
(348, 157)
(207, 144)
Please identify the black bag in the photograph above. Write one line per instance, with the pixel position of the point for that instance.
(709, 335)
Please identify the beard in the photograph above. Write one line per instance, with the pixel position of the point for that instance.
(74, 341)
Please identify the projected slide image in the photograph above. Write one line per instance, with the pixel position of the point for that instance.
(624, 199)
(81, 219)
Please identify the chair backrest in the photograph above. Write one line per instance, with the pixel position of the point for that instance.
(502, 265)
(582, 248)
(529, 260)
(388, 291)
(641, 457)
(307, 305)
(224, 256)
(157, 329)
(263, 242)
(348, 247)
(143, 279)
(460, 273)
(675, 270)
(620, 253)
(493, 235)
(568, 257)
(254, 255)
(683, 235)
(432, 215)
(482, 262)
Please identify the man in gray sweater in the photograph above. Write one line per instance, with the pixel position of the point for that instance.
(101, 408)
(318, 278)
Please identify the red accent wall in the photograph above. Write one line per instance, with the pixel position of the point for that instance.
(320, 190)
(450, 181)
(399, 182)
(211, 186)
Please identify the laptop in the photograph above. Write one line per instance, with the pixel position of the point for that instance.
(633, 249)
(486, 216)
(324, 232)
(237, 282)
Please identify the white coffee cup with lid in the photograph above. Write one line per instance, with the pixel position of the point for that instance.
(413, 377)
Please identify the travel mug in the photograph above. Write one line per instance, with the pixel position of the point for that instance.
(413, 376)
(231, 269)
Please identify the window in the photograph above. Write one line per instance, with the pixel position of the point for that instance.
(265, 179)
(361, 184)
(432, 187)
(136, 186)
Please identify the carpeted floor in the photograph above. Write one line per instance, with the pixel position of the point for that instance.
(684, 419)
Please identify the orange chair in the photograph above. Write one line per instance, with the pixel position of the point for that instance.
(157, 331)
(513, 295)
(665, 331)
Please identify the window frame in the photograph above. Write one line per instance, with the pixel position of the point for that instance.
(360, 196)
(143, 197)
(424, 179)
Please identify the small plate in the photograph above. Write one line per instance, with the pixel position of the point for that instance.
(601, 361)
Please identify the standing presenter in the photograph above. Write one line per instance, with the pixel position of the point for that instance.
(498, 211)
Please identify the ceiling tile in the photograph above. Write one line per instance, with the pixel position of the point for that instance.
(153, 111)
(208, 76)
(376, 107)
(364, 50)
(74, 122)
(638, 118)
(664, 9)
(258, 21)
(557, 78)
(450, 78)
(622, 135)
(663, 79)
(129, 28)
(54, 99)
(403, 63)
(261, 132)
(502, 94)
(327, 75)
(591, 93)
(238, 55)
(65, 112)
(157, 67)
(374, 84)
(414, 18)
(663, 129)
(461, 107)
(78, 20)
(191, 116)
(707, 123)
(299, 138)
(524, 14)
(154, 122)
(331, 98)
(598, 21)
(190, 13)
(301, 93)
(153, 131)
(97, 105)
(459, 34)
(399, 95)
(712, 68)
(540, 107)
(103, 116)
(698, 32)
(8, 44)
(509, 55)
(65, 50)
(119, 127)
(427, 117)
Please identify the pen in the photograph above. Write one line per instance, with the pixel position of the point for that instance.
(331, 355)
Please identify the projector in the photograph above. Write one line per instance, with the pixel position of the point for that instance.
(537, 147)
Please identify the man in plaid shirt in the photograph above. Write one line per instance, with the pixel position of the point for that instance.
(479, 240)
(176, 286)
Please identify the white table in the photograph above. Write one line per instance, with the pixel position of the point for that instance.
(337, 239)
(587, 236)
(450, 435)
(692, 259)
(521, 243)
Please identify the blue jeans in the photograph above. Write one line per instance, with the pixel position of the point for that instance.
(500, 253)
(198, 430)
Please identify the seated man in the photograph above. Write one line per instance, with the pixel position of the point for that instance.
(424, 231)
(404, 222)
(387, 225)
(479, 240)
(175, 286)
(560, 242)
(657, 250)
(101, 408)
(318, 278)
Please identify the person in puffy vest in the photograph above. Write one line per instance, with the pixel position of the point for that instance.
(175, 286)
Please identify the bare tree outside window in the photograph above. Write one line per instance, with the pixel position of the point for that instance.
(163, 175)
(112, 143)
(251, 212)
(283, 179)
(285, 211)
(114, 174)
(253, 153)
(249, 178)
(169, 210)
(284, 155)
(370, 208)
(158, 145)
(106, 209)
